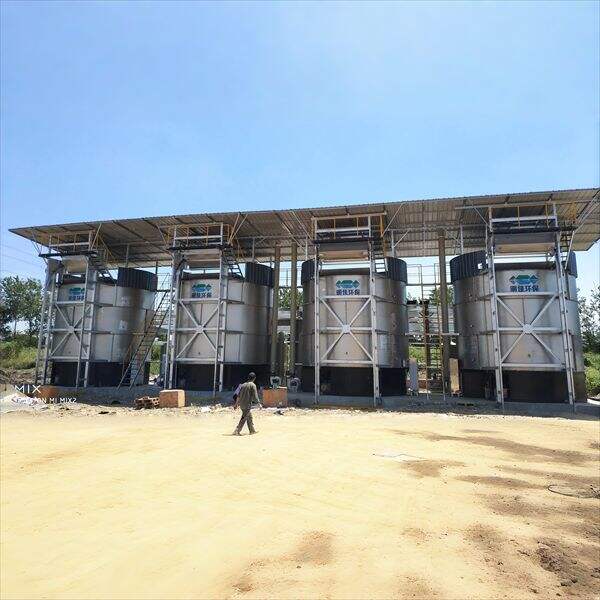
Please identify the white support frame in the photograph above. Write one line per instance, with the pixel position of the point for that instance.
(46, 322)
(177, 356)
(81, 328)
(349, 329)
(566, 363)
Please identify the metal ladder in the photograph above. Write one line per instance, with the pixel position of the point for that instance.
(137, 362)
(567, 340)
(224, 272)
(374, 331)
(495, 326)
(94, 267)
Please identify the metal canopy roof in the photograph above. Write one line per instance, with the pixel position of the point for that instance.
(412, 224)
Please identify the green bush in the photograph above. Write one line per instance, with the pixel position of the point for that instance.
(417, 352)
(10, 349)
(18, 353)
(155, 357)
(156, 351)
(592, 373)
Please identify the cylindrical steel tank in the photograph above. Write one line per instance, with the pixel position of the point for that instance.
(113, 324)
(344, 291)
(246, 332)
(528, 308)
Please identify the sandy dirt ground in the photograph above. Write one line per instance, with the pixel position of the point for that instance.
(319, 504)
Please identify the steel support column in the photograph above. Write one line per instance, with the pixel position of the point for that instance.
(86, 287)
(170, 367)
(317, 347)
(275, 310)
(293, 307)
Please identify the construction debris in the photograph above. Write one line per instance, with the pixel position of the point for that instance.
(166, 399)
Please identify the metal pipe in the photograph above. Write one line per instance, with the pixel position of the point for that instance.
(275, 310)
(293, 307)
(444, 305)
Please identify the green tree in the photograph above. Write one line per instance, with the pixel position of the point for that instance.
(21, 300)
(32, 305)
(4, 317)
(589, 314)
(285, 298)
(434, 295)
(13, 300)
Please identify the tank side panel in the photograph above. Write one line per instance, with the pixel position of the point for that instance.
(392, 320)
(472, 312)
(246, 338)
(120, 313)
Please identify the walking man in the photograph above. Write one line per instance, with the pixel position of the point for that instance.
(247, 392)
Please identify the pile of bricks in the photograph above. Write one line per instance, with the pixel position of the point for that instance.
(146, 402)
(166, 399)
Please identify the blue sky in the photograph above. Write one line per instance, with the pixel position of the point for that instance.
(132, 109)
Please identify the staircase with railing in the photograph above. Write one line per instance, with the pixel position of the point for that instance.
(140, 349)
(233, 267)
(98, 264)
(378, 245)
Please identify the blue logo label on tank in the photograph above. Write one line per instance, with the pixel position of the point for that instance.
(524, 283)
(202, 290)
(347, 287)
(76, 294)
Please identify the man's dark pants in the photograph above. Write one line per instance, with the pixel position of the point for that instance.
(246, 418)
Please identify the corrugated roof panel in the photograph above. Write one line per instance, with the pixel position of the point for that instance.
(420, 217)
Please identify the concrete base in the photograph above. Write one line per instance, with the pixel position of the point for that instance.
(125, 396)
(421, 403)
(447, 404)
